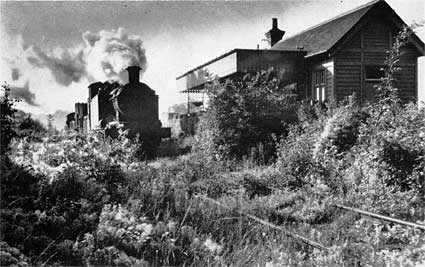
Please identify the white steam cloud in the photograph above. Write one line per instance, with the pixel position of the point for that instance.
(65, 69)
(23, 93)
(109, 53)
(104, 56)
(15, 74)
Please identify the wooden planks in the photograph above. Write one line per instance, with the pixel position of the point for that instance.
(348, 80)
(376, 35)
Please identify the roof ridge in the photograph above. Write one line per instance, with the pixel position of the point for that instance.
(368, 4)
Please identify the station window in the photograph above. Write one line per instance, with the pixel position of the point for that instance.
(319, 80)
(374, 72)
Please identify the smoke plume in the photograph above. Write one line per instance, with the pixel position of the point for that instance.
(104, 56)
(65, 69)
(109, 53)
(15, 74)
(23, 93)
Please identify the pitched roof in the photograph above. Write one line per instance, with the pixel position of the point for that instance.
(322, 37)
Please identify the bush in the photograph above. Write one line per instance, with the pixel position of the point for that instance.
(124, 239)
(11, 256)
(7, 113)
(47, 206)
(27, 127)
(396, 140)
(247, 111)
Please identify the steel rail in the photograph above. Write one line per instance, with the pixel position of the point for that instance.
(374, 215)
(271, 225)
(382, 217)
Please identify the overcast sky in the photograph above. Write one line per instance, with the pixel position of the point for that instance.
(166, 38)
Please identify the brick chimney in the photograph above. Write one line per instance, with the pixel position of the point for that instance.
(275, 34)
(133, 74)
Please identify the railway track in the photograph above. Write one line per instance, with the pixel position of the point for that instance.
(301, 239)
(373, 215)
(381, 217)
(271, 225)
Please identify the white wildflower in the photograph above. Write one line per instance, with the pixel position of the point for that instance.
(212, 246)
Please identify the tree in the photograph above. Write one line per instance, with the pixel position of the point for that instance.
(248, 111)
(7, 113)
(27, 126)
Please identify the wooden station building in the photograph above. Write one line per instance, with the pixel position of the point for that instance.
(331, 60)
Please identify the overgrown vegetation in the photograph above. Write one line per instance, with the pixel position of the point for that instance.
(7, 114)
(248, 113)
(87, 200)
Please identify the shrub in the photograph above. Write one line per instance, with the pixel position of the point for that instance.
(123, 238)
(396, 141)
(248, 110)
(11, 256)
(26, 126)
(295, 156)
(7, 113)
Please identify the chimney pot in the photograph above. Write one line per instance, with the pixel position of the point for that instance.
(133, 74)
(274, 23)
(275, 34)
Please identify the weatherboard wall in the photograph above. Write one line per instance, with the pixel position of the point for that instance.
(365, 49)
